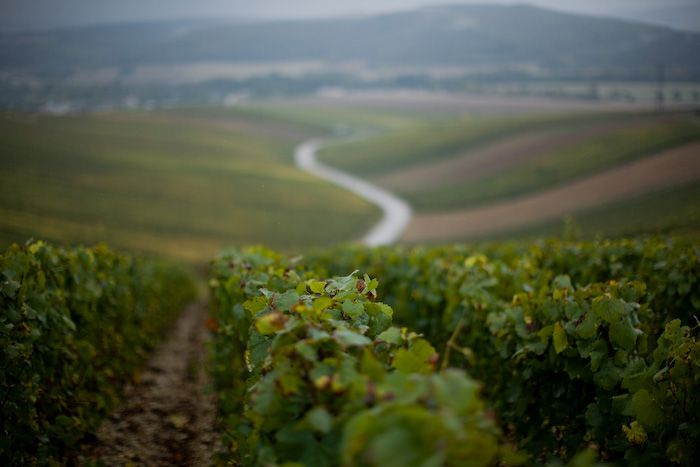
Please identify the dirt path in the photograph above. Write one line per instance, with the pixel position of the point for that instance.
(669, 168)
(509, 153)
(169, 418)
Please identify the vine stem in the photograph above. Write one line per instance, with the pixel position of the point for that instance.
(452, 343)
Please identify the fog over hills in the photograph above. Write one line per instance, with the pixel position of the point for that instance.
(464, 35)
(17, 15)
(492, 41)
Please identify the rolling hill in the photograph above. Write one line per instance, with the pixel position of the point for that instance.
(524, 39)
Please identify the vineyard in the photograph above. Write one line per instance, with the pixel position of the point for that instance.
(76, 325)
(350, 234)
(507, 354)
(452, 356)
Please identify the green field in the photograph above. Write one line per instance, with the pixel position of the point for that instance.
(561, 166)
(672, 212)
(424, 144)
(171, 183)
(332, 119)
(429, 142)
(186, 182)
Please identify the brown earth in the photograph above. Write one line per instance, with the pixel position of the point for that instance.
(669, 168)
(512, 152)
(169, 418)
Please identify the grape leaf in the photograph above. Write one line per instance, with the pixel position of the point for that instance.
(417, 359)
(559, 338)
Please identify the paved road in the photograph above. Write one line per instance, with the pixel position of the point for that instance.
(396, 212)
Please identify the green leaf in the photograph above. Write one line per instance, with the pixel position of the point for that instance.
(370, 285)
(370, 366)
(596, 350)
(608, 376)
(545, 332)
(9, 287)
(391, 336)
(319, 419)
(588, 327)
(623, 333)
(559, 338)
(673, 331)
(349, 338)
(608, 309)
(286, 300)
(380, 317)
(258, 346)
(454, 382)
(621, 405)
(321, 303)
(647, 409)
(419, 358)
(353, 309)
(562, 282)
(593, 416)
(255, 305)
(317, 286)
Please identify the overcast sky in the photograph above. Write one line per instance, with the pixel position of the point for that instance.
(21, 14)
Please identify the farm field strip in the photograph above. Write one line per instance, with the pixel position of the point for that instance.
(504, 154)
(671, 211)
(562, 166)
(672, 167)
(429, 142)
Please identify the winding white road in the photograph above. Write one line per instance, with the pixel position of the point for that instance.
(396, 212)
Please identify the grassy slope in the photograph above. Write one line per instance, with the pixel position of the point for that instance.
(420, 144)
(562, 166)
(675, 211)
(356, 119)
(157, 183)
(427, 142)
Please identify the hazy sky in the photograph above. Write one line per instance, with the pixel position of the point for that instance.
(20, 14)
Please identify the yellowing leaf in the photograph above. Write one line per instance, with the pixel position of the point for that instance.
(420, 358)
(322, 303)
(317, 286)
(178, 420)
(635, 433)
(559, 338)
(271, 323)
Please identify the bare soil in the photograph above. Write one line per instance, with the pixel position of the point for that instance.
(669, 168)
(506, 154)
(169, 418)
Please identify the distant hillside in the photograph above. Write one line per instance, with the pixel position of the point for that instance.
(445, 47)
(679, 16)
(467, 35)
